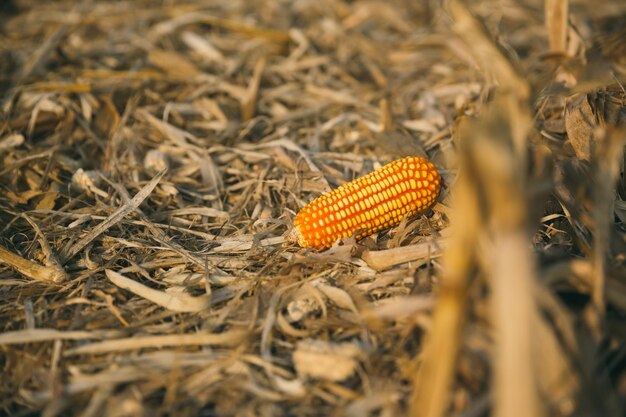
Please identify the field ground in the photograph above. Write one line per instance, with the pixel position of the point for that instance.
(153, 155)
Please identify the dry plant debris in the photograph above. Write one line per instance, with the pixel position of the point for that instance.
(153, 157)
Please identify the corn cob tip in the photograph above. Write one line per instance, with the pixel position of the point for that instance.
(294, 236)
(378, 200)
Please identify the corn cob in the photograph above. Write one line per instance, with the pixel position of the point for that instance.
(378, 200)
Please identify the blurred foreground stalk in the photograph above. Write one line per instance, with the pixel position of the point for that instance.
(491, 236)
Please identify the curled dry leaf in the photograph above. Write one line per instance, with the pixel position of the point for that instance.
(337, 295)
(174, 301)
(293, 387)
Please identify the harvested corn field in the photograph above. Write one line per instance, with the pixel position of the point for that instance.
(154, 156)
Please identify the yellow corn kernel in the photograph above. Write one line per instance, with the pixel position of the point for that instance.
(380, 199)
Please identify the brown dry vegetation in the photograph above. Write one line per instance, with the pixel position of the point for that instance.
(154, 153)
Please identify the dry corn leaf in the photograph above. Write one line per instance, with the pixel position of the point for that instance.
(31, 269)
(48, 200)
(71, 251)
(174, 64)
(228, 338)
(46, 335)
(202, 46)
(11, 141)
(248, 105)
(327, 361)
(580, 123)
(387, 258)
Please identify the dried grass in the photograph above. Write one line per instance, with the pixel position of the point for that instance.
(153, 155)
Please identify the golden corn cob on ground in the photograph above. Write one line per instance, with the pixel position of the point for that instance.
(380, 199)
